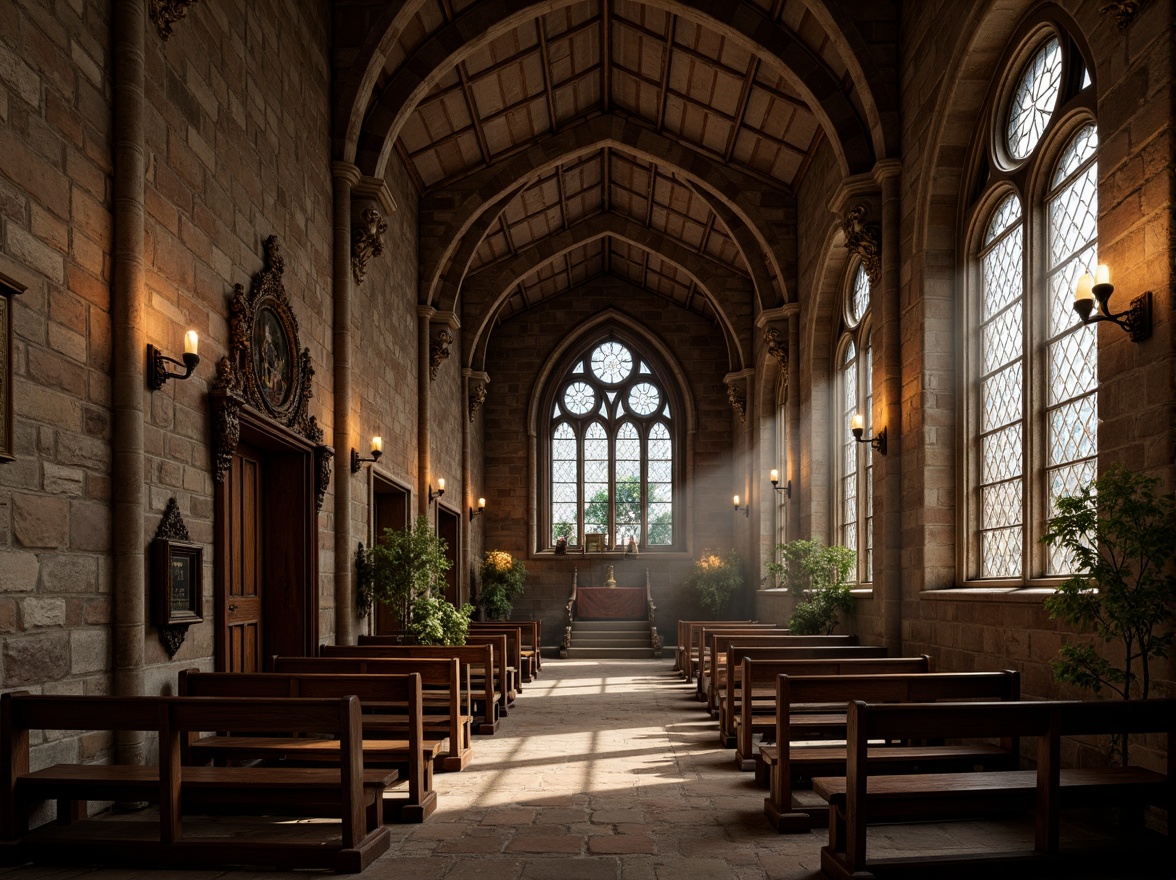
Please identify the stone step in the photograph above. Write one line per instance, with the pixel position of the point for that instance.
(613, 625)
(608, 641)
(575, 653)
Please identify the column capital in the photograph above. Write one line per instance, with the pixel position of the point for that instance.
(373, 189)
(346, 172)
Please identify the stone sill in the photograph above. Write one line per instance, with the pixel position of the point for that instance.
(1035, 595)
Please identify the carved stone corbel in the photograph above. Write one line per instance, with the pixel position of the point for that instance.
(738, 400)
(865, 240)
(1125, 11)
(367, 243)
(477, 398)
(323, 455)
(165, 13)
(439, 351)
(777, 346)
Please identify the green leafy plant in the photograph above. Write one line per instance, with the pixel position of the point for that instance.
(715, 579)
(405, 565)
(1119, 534)
(820, 575)
(436, 621)
(503, 577)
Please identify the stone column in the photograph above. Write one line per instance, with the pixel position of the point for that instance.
(424, 324)
(128, 307)
(888, 391)
(475, 395)
(793, 427)
(344, 176)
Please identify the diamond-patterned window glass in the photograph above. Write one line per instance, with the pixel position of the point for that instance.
(596, 479)
(1071, 377)
(659, 486)
(612, 363)
(859, 297)
(627, 497)
(565, 484)
(1034, 99)
(866, 563)
(849, 447)
(1001, 397)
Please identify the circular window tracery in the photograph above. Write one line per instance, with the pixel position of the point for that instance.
(612, 363)
(579, 398)
(1034, 99)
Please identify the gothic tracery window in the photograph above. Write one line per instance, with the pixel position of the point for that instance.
(1033, 368)
(612, 451)
(855, 468)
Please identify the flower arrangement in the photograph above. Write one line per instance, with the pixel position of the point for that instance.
(716, 579)
(502, 582)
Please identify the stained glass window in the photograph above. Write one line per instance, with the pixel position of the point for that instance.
(1034, 99)
(612, 451)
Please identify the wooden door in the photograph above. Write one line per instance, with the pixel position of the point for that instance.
(449, 530)
(245, 561)
(391, 512)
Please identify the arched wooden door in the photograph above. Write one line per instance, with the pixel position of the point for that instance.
(244, 549)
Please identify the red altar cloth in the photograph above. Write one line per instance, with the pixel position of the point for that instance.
(610, 603)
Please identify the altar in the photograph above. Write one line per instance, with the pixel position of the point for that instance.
(611, 603)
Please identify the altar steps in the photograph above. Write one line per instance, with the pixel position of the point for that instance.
(610, 639)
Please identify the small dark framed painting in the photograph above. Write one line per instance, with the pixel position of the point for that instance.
(8, 290)
(177, 575)
(594, 542)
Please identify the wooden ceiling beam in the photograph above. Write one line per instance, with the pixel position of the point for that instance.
(605, 56)
(741, 108)
(541, 29)
(664, 85)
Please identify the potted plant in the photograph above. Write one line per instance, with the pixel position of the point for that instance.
(502, 582)
(436, 621)
(820, 575)
(403, 566)
(1120, 537)
(715, 579)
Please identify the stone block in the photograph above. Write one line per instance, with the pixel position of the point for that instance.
(39, 521)
(36, 613)
(18, 571)
(36, 659)
(89, 526)
(89, 651)
(59, 480)
(69, 573)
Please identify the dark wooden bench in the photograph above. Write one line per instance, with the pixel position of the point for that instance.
(344, 790)
(507, 660)
(793, 761)
(529, 644)
(715, 670)
(391, 727)
(751, 707)
(701, 666)
(435, 700)
(682, 645)
(696, 646)
(861, 798)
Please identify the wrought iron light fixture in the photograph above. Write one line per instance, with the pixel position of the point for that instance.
(434, 494)
(774, 477)
(1137, 320)
(481, 509)
(857, 426)
(745, 509)
(157, 361)
(377, 451)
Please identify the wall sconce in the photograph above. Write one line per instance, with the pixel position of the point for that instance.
(1137, 320)
(157, 362)
(857, 426)
(377, 451)
(745, 508)
(774, 477)
(481, 509)
(434, 494)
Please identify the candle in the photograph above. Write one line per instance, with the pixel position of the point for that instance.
(481, 504)
(440, 484)
(1102, 274)
(1083, 291)
(857, 422)
(775, 476)
(736, 500)
(191, 342)
(377, 445)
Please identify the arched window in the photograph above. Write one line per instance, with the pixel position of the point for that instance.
(612, 451)
(855, 468)
(1032, 366)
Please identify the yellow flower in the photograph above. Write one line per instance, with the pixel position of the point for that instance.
(499, 560)
(710, 563)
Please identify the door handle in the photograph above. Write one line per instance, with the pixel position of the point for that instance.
(232, 607)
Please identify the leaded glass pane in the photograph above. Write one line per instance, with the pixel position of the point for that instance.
(579, 398)
(859, 296)
(1073, 431)
(1062, 282)
(1065, 481)
(1006, 215)
(1000, 551)
(1003, 273)
(565, 484)
(1071, 359)
(1072, 217)
(596, 495)
(1002, 455)
(661, 524)
(1001, 398)
(659, 486)
(644, 399)
(612, 363)
(1034, 99)
(1001, 504)
(1082, 147)
(1002, 340)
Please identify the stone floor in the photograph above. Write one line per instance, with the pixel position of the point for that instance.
(604, 770)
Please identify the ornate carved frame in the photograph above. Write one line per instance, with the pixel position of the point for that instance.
(8, 289)
(171, 544)
(238, 383)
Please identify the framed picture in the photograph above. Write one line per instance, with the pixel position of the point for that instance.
(177, 576)
(8, 289)
(593, 542)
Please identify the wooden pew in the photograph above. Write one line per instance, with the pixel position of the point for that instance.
(344, 790)
(751, 706)
(479, 704)
(782, 807)
(703, 634)
(525, 636)
(729, 696)
(714, 673)
(682, 645)
(508, 660)
(390, 703)
(693, 654)
(861, 798)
